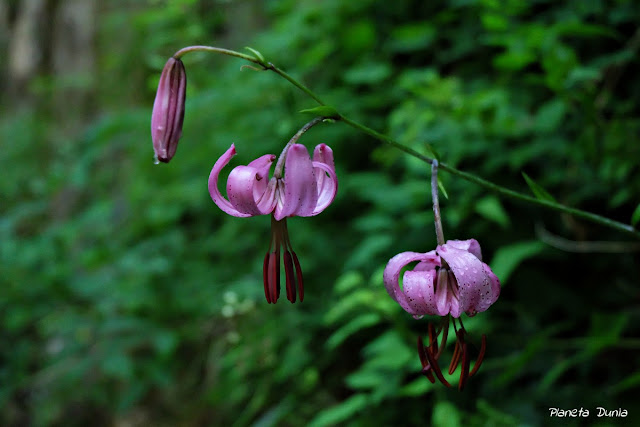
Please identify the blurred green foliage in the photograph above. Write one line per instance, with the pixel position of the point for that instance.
(128, 298)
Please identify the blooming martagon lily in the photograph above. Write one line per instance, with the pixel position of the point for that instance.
(300, 186)
(447, 281)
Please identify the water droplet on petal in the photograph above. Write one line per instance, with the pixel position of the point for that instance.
(418, 316)
(155, 159)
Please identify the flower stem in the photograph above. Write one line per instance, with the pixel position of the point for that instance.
(436, 203)
(188, 49)
(598, 219)
(283, 155)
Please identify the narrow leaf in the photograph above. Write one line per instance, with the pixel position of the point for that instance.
(444, 191)
(257, 54)
(537, 190)
(432, 151)
(323, 111)
(635, 218)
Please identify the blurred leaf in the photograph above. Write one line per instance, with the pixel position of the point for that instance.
(507, 258)
(412, 37)
(491, 208)
(632, 381)
(635, 217)
(417, 387)
(537, 190)
(353, 326)
(445, 414)
(368, 73)
(340, 412)
(550, 115)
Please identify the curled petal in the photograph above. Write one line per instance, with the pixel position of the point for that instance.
(475, 290)
(300, 188)
(470, 245)
(248, 184)
(430, 261)
(391, 277)
(495, 285)
(323, 154)
(327, 190)
(218, 199)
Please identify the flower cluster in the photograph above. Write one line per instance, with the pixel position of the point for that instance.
(446, 282)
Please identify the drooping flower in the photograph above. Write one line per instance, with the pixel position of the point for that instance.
(168, 110)
(445, 282)
(449, 280)
(300, 186)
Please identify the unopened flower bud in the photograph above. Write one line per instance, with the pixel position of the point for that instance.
(168, 110)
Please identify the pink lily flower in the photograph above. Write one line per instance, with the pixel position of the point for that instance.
(446, 282)
(450, 280)
(300, 186)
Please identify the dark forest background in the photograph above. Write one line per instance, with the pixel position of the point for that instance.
(128, 298)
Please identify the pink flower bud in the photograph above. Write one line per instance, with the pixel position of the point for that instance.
(168, 110)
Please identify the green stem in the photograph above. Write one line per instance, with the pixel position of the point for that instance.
(188, 49)
(280, 165)
(626, 228)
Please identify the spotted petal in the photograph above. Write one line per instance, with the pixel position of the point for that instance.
(418, 287)
(476, 289)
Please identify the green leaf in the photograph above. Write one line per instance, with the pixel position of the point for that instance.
(550, 116)
(507, 258)
(537, 190)
(323, 111)
(368, 73)
(341, 412)
(444, 191)
(359, 323)
(445, 414)
(431, 151)
(635, 218)
(257, 54)
(491, 208)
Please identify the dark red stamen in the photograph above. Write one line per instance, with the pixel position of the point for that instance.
(426, 368)
(464, 368)
(445, 335)
(433, 363)
(430, 354)
(265, 276)
(298, 276)
(289, 277)
(483, 348)
(433, 338)
(274, 277)
(421, 353)
(455, 359)
(277, 285)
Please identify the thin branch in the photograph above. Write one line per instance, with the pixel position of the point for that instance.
(598, 219)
